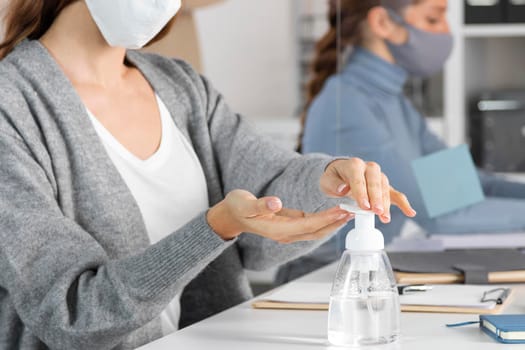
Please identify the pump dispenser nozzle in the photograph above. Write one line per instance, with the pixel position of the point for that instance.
(364, 237)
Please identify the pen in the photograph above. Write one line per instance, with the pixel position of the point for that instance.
(410, 288)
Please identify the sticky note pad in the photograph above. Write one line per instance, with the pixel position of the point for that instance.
(448, 180)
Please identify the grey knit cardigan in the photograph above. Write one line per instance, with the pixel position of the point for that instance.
(77, 270)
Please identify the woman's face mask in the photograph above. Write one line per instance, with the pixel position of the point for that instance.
(425, 53)
(131, 23)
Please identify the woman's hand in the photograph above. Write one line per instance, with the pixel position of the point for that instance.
(366, 184)
(241, 212)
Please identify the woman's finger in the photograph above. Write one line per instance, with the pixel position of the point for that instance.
(374, 187)
(248, 206)
(282, 227)
(366, 185)
(385, 218)
(332, 183)
(354, 174)
(323, 232)
(347, 177)
(292, 213)
(400, 200)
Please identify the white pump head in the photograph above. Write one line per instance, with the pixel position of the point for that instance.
(364, 237)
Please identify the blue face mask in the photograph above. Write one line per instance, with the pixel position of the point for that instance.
(425, 53)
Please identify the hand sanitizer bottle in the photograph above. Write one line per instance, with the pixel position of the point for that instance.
(364, 302)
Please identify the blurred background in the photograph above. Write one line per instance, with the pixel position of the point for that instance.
(258, 54)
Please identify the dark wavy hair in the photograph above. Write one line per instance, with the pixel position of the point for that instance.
(30, 19)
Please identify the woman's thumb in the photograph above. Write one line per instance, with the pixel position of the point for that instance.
(267, 205)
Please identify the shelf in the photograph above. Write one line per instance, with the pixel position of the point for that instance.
(437, 125)
(518, 177)
(494, 30)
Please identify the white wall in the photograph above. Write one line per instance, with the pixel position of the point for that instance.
(3, 4)
(248, 50)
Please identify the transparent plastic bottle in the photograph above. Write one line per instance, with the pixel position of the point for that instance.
(364, 302)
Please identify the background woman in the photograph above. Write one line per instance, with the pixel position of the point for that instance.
(362, 111)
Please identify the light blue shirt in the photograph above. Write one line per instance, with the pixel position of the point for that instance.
(378, 123)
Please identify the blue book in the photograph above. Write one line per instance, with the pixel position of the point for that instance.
(509, 329)
(448, 180)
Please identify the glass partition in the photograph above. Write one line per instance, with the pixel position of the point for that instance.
(257, 53)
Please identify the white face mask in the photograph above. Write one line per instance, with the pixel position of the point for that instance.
(131, 23)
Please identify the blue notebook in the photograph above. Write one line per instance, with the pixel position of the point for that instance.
(509, 329)
(448, 180)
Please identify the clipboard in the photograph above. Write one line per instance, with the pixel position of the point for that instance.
(450, 278)
(451, 299)
(470, 266)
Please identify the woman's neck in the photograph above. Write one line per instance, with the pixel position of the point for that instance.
(379, 48)
(80, 49)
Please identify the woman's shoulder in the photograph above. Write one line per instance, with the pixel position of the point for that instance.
(12, 101)
(164, 62)
(338, 94)
(175, 69)
(27, 81)
(176, 75)
(339, 87)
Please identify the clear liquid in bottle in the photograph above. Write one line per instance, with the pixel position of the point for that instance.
(355, 321)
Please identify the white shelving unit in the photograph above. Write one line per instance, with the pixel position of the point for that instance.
(485, 57)
(493, 30)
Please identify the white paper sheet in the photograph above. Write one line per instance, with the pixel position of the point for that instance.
(464, 241)
(467, 296)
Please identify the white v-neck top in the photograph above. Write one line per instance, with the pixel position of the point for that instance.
(169, 187)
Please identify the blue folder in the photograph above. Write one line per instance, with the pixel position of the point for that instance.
(448, 181)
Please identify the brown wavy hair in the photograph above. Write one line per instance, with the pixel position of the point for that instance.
(30, 19)
(329, 49)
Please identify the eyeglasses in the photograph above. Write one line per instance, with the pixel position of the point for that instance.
(497, 295)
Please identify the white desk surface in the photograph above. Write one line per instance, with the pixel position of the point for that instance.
(245, 328)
